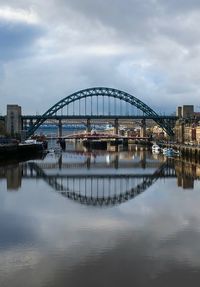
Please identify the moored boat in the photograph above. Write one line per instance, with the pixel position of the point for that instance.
(170, 152)
(156, 148)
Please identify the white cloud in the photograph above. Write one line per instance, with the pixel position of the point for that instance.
(18, 15)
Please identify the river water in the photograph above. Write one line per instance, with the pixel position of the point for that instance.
(100, 218)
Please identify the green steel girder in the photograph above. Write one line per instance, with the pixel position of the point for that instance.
(102, 91)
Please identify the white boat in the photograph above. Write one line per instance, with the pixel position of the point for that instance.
(165, 150)
(31, 141)
(170, 152)
(156, 148)
(109, 128)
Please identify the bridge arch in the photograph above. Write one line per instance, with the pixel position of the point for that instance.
(102, 91)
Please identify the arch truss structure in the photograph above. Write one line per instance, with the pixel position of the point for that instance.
(102, 92)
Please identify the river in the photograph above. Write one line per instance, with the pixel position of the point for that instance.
(100, 218)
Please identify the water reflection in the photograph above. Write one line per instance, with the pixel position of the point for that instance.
(48, 240)
(100, 179)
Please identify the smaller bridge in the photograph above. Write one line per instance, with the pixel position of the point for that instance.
(98, 136)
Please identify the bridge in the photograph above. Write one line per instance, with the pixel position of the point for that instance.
(98, 136)
(102, 104)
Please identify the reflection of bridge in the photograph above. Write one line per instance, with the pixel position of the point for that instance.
(99, 103)
(89, 163)
(99, 189)
(100, 180)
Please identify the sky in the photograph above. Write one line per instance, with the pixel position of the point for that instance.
(148, 48)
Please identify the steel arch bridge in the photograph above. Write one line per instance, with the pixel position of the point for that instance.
(102, 91)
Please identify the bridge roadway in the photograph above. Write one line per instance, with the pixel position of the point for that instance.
(93, 117)
(28, 121)
(98, 117)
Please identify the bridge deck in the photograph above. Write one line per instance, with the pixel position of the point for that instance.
(98, 117)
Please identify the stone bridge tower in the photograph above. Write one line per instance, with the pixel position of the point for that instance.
(13, 120)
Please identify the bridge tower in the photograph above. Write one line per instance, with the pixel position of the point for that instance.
(60, 128)
(116, 126)
(88, 126)
(13, 120)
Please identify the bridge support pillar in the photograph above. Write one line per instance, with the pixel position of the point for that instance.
(143, 128)
(23, 130)
(25, 125)
(116, 126)
(30, 123)
(60, 128)
(88, 126)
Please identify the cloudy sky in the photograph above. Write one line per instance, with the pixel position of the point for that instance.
(50, 49)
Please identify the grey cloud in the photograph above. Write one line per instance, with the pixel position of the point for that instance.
(180, 5)
(137, 21)
(149, 47)
(16, 40)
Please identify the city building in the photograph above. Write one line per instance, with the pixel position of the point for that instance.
(158, 133)
(187, 128)
(186, 111)
(187, 132)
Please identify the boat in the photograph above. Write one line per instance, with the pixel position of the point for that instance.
(164, 150)
(109, 128)
(155, 148)
(170, 152)
(30, 141)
